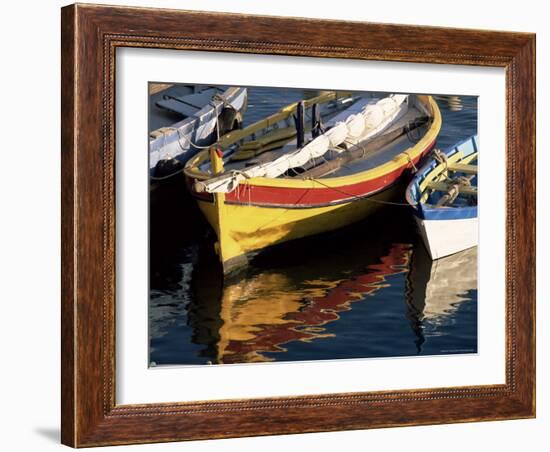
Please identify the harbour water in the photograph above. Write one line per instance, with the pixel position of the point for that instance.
(369, 290)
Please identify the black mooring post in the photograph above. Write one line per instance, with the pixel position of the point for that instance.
(300, 125)
(315, 121)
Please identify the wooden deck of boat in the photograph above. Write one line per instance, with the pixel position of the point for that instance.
(160, 117)
(370, 161)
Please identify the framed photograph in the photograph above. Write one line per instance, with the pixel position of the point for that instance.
(283, 225)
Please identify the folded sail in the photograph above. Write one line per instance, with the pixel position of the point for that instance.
(373, 119)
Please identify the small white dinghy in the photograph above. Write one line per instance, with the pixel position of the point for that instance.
(443, 195)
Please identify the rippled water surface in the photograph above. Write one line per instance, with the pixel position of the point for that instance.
(369, 290)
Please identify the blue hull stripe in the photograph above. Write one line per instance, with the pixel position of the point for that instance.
(446, 213)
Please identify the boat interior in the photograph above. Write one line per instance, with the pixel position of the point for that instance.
(452, 182)
(170, 103)
(279, 139)
(466, 195)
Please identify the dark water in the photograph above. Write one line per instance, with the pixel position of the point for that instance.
(369, 290)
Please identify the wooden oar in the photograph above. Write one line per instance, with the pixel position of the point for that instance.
(359, 151)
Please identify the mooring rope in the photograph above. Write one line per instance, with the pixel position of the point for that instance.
(161, 178)
(191, 142)
(441, 158)
(411, 161)
(364, 197)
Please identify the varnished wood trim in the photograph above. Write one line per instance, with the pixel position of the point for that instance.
(68, 220)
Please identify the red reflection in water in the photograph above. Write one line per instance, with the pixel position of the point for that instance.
(307, 323)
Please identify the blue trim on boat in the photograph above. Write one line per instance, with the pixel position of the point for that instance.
(429, 212)
(446, 213)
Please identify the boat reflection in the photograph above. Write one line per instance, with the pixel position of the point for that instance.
(256, 317)
(261, 312)
(436, 289)
(342, 295)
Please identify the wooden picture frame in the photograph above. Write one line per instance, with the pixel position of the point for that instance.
(90, 37)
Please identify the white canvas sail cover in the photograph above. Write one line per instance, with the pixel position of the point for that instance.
(373, 119)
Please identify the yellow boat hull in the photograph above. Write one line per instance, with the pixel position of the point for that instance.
(243, 230)
(263, 212)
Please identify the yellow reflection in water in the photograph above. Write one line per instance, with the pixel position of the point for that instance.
(263, 313)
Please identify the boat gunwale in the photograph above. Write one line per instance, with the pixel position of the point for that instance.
(402, 159)
(231, 92)
(447, 212)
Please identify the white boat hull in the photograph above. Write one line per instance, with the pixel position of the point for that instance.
(445, 237)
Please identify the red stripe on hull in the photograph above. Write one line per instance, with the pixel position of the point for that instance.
(310, 197)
